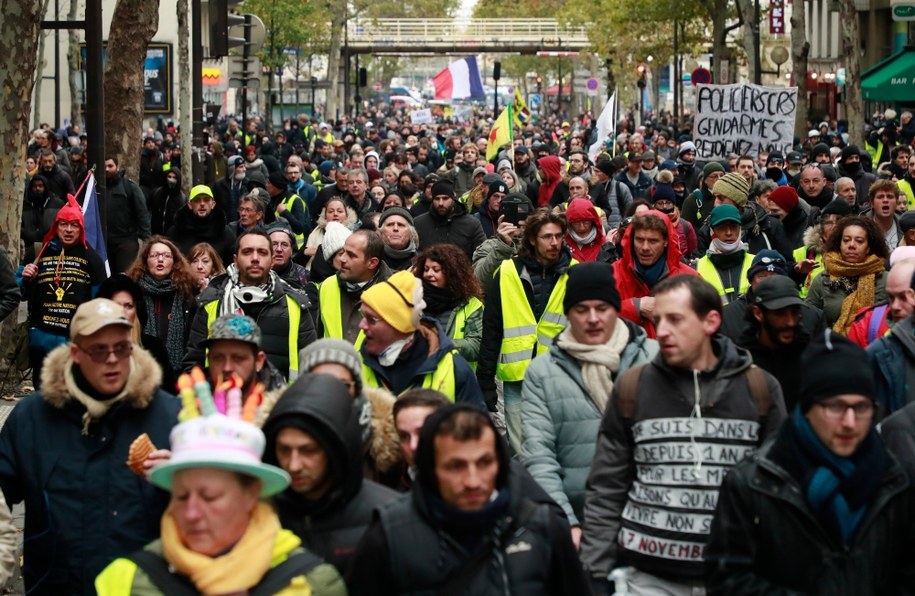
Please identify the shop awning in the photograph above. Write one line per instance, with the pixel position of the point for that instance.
(892, 80)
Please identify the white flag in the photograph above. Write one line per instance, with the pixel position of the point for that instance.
(606, 127)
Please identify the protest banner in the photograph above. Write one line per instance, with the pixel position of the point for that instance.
(423, 116)
(743, 119)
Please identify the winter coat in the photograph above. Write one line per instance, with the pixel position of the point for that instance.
(462, 177)
(37, 219)
(898, 434)
(830, 300)
(870, 323)
(189, 229)
(652, 457)
(84, 506)
(613, 197)
(164, 205)
(459, 228)
(630, 283)
(583, 210)
(527, 544)
(697, 206)
(411, 368)
(538, 283)
(123, 576)
(863, 181)
(892, 358)
(639, 189)
(128, 216)
(560, 420)
(765, 538)
(796, 223)
(487, 257)
(226, 200)
(332, 526)
(58, 181)
(272, 317)
(759, 231)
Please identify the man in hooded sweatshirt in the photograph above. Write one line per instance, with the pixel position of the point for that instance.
(468, 527)
(850, 167)
(313, 433)
(39, 210)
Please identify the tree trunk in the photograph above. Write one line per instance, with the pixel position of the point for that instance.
(76, 114)
(718, 13)
(19, 37)
(748, 38)
(185, 106)
(133, 25)
(800, 49)
(39, 75)
(854, 105)
(332, 93)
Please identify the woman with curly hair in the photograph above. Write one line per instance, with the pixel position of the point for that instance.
(854, 275)
(205, 263)
(452, 295)
(169, 289)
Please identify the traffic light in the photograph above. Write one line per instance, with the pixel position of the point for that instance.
(539, 80)
(642, 70)
(223, 16)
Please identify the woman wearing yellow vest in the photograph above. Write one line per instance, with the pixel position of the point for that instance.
(452, 294)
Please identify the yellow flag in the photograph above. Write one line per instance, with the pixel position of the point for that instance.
(521, 113)
(502, 133)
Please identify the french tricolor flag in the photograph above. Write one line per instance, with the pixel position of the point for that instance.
(461, 79)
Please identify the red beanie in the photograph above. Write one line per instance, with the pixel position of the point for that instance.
(785, 197)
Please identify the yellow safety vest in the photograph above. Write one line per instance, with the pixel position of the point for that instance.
(523, 337)
(906, 187)
(329, 302)
(289, 202)
(295, 316)
(709, 273)
(460, 320)
(799, 255)
(441, 379)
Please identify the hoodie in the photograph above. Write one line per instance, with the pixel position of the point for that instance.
(583, 210)
(332, 525)
(552, 177)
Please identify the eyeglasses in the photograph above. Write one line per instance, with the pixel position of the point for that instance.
(836, 410)
(99, 354)
(370, 320)
(160, 255)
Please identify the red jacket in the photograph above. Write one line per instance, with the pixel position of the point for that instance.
(583, 210)
(866, 329)
(631, 286)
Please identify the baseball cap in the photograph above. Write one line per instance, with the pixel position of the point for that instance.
(95, 315)
(234, 327)
(776, 292)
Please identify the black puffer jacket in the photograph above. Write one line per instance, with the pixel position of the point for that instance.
(189, 229)
(272, 317)
(766, 540)
(37, 218)
(332, 526)
(459, 228)
(417, 544)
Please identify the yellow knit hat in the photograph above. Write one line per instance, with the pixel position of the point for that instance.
(395, 300)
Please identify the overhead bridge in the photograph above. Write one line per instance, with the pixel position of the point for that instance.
(441, 36)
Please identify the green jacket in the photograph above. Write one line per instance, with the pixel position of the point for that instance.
(559, 420)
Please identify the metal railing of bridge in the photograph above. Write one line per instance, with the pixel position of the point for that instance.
(456, 33)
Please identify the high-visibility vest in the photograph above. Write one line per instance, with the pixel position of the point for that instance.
(707, 271)
(289, 202)
(799, 255)
(524, 337)
(295, 317)
(460, 320)
(441, 379)
(906, 187)
(329, 301)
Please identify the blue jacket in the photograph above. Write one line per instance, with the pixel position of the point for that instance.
(84, 506)
(466, 388)
(893, 361)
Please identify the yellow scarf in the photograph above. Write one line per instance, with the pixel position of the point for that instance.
(864, 293)
(239, 569)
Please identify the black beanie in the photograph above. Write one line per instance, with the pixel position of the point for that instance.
(834, 365)
(443, 187)
(591, 281)
(836, 207)
(849, 151)
(278, 180)
(495, 187)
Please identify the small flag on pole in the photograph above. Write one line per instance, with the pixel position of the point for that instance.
(502, 133)
(522, 114)
(606, 127)
(95, 236)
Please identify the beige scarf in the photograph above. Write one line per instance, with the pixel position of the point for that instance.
(598, 363)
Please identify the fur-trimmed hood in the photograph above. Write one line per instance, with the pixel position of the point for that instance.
(813, 237)
(384, 445)
(142, 383)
